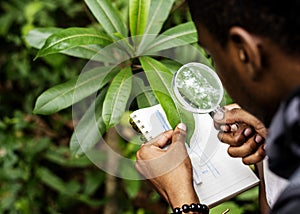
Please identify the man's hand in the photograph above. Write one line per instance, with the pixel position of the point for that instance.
(168, 169)
(244, 133)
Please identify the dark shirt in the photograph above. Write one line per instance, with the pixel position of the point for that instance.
(283, 150)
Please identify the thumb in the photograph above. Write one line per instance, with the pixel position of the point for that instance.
(162, 139)
(179, 134)
(240, 116)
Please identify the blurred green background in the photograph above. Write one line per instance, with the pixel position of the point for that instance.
(37, 172)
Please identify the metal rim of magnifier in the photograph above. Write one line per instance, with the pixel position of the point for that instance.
(182, 101)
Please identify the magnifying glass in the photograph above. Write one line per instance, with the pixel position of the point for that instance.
(198, 89)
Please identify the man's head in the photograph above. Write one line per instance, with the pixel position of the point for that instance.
(255, 46)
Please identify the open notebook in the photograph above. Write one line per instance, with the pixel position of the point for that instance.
(217, 176)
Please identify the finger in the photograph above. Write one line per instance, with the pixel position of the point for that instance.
(231, 138)
(239, 116)
(237, 137)
(161, 140)
(246, 149)
(225, 127)
(258, 156)
(259, 139)
(232, 106)
(179, 134)
(222, 127)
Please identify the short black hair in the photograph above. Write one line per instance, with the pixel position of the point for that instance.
(277, 20)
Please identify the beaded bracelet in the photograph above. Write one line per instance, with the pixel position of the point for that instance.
(200, 208)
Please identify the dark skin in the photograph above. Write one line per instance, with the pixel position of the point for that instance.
(161, 166)
(258, 75)
(245, 141)
(265, 74)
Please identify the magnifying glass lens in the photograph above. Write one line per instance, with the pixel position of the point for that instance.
(197, 88)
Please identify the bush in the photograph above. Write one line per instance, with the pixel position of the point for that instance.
(38, 172)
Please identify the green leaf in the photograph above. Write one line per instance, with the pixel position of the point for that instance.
(93, 181)
(146, 99)
(158, 13)
(138, 14)
(70, 189)
(144, 94)
(172, 65)
(37, 147)
(248, 195)
(58, 156)
(72, 37)
(90, 128)
(52, 180)
(233, 207)
(31, 9)
(132, 187)
(90, 201)
(6, 21)
(191, 53)
(37, 37)
(160, 79)
(108, 17)
(116, 98)
(85, 52)
(62, 96)
(179, 35)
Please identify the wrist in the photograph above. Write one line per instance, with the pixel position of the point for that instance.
(182, 196)
(185, 200)
(193, 208)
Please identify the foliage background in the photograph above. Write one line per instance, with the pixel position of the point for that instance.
(37, 172)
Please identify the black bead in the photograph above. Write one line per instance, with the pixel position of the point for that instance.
(185, 208)
(193, 207)
(177, 210)
(199, 207)
(205, 209)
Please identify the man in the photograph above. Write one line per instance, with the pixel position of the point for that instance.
(255, 45)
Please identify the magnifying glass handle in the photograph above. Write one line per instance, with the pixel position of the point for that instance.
(218, 113)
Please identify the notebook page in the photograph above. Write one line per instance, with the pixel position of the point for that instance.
(222, 176)
(217, 176)
(151, 121)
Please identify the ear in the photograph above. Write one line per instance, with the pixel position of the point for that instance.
(246, 47)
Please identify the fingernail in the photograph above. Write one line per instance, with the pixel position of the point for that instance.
(247, 132)
(219, 115)
(225, 128)
(258, 139)
(181, 126)
(234, 127)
